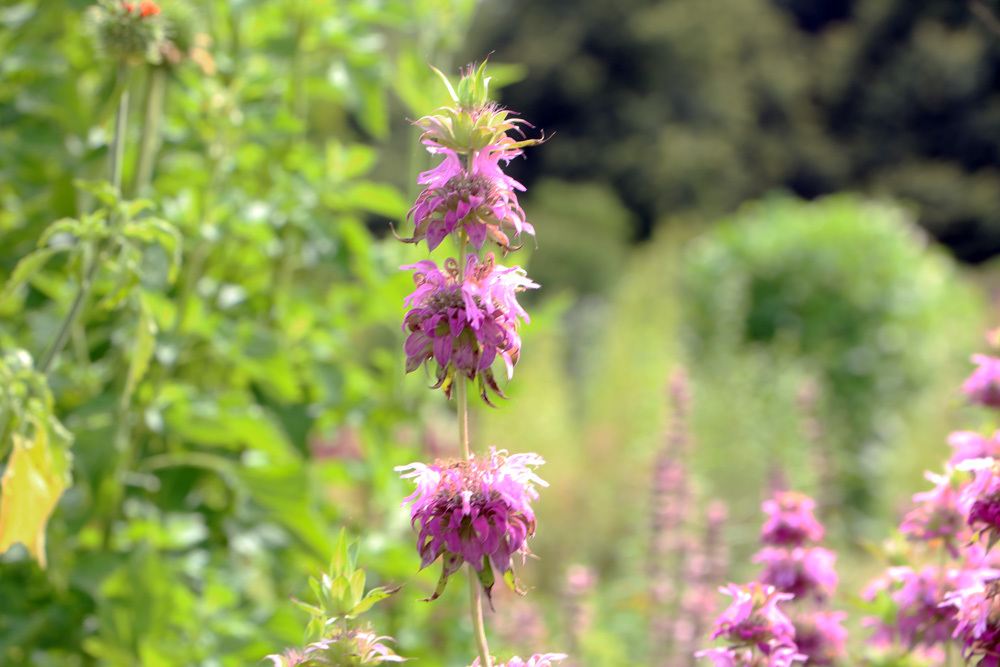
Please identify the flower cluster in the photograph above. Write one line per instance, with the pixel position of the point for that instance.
(753, 623)
(983, 386)
(476, 511)
(949, 590)
(537, 660)
(464, 319)
(131, 32)
(791, 520)
(351, 648)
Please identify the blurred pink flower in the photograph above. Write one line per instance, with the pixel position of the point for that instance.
(979, 500)
(821, 636)
(972, 445)
(463, 325)
(935, 515)
(977, 615)
(983, 386)
(476, 511)
(753, 617)
(537, 660)
(801, 571)
(791, 520)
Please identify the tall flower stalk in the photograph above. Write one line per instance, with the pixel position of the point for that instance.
(463, 321)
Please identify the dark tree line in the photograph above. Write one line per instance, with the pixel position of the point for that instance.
(689, 107)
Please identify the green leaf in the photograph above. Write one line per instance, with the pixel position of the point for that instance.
(373, 597)
(37, 474)
(27, 267)
(142, 349)
(357, 581)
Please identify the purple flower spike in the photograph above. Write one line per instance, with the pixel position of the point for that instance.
(790, 520)
(983, 386)
(753, 616)
(464, 325)
(476, 511)
(821, 636)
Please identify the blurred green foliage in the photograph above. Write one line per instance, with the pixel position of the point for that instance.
(694, 107)
(847, 288)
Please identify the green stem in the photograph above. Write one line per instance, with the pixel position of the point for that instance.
(92, 259)
(150, 143)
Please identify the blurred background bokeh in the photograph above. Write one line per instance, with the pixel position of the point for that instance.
(766, 232)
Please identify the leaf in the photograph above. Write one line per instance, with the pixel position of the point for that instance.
(357, 588)
(36, 476)
(373, 597)
(450, 563)
(142, 350)
(27, 267)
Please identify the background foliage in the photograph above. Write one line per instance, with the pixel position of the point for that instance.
(229, 416)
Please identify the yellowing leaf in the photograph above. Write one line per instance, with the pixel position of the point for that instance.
(36, 476)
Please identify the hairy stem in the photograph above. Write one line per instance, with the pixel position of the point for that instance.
(150, 143)
(475, 591)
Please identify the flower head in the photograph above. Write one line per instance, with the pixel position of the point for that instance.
(821, 636)
(537, 660)
(977, 616)
(753, 616)
(791, 520)
(801, 571)
(935, 515)
(779, 656)
(979, 500)
(463, 325)
(983, 386)
(971, 445)
(351, 648)
(476, 511)
(130, 31)
(480, 201)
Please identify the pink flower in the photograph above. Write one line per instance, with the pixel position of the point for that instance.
(464, 325)
(971, 445)
(537, 660)
(917, 596)
(753, 616)
(936, 515)
(821, 636)
(977, 615)
(801, 571)
(480, 201)
(979, 501)
(476, 511)
(790, 520)
(780, 656)
(351, 647)
(983, 386)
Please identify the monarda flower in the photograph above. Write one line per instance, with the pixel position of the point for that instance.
(977, 616)
(821, 636)
(346, 649)
(917, 595)
(971, 445)
(983, 386)
(478, 201)
(753, 617)
(476, 511)
(801, 571)
(935, 515)
(463, 325)
(980, 499)
(791, 520)
(537, 660)
(780, 656)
